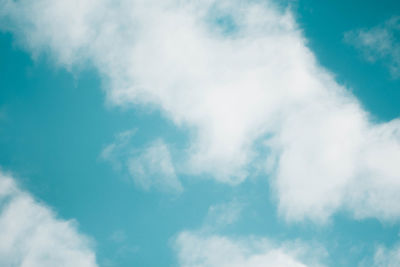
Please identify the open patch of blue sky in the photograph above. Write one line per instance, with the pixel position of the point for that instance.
(197, 133)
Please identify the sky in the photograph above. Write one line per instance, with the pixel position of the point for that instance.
(193, 133)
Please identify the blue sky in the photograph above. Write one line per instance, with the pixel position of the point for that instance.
(199, 133)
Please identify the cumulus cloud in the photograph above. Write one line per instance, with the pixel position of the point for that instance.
(379, 43)
(199, 250)
(234, 73)
(31, 235)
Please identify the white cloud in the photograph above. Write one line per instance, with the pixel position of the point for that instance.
(149, 167)
(223, 214)
(117, 151)
(205, 247)
(231, 86)
(387, 257)
(32, 236)
(202, 250)
(383, 257)
(379, 43)
(337, 160)
(154, 168)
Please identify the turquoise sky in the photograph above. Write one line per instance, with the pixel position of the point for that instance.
(57, 118)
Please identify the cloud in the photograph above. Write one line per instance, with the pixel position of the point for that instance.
(118, 150)
(31, 235)
(154, 168)
(236, 74)
(118, 236)
(337, 160)
(122, 247)
(383, 257)
(379, 43)
(150, 167)
(200, 250)
(223, 214)
(387, 257)
(205, 247)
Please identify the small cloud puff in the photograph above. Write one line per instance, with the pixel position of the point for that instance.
(223, 214)
(150, 167)
(153, 168)
(379, 43)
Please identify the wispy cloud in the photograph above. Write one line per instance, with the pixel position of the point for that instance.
(153, 168)
(31, 234)
(223, 214)
(230, 85)
(379, 43)
(150, 167)
(383, 257)
(118, 236)
(118, 150)
(207, 247)
(196, 249)
(123, 248)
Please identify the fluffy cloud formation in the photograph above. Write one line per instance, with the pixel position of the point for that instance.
(379, 43)
(236, 74)
(200, 250)
(149, 167)
(31, 235)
